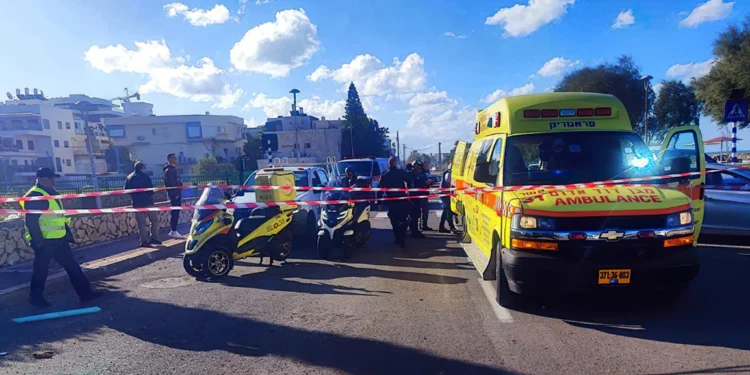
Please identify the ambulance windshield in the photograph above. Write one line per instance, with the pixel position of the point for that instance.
(576, 157)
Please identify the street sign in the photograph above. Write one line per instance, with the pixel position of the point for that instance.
(735, 111)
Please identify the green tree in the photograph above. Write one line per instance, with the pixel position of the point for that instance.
(361, 135)
(731, 70)
(676, 105)
(251, 151)
(210, 167)
(622, 79)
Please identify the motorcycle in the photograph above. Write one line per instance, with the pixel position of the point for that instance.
(344, 225)
(218, 238)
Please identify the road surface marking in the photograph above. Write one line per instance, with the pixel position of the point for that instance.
(502, 314)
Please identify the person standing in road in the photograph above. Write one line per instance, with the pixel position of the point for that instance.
(447, 213)
(137, 180)
(49, 236)
(398, 210)
(172, 180)
(419, 181)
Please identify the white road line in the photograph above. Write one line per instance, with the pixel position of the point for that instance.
(502, 314)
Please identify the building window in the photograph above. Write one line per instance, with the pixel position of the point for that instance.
(19, 144)
(45, 122)
(67, 162)
(221, 130)
(58, 164)
(65, 144)
(14, 162)
(116, 131)
(31, 145)
(57, 143)
(307, 145)
(193, 130)
(67, 125)
(25, 162)
(153, 131)
(59, 124)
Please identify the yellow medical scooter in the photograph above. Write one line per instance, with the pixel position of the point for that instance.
(219, 237)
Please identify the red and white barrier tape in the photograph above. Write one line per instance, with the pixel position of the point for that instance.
(213, 206)
(618, 182)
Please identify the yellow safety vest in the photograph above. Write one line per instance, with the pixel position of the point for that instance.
(52, 225)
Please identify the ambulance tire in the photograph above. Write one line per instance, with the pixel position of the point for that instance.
(505, 297)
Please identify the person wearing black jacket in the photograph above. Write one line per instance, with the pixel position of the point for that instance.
(398, 210)
(351, 177)
(137, 180)
(172, 179)
(50, 243)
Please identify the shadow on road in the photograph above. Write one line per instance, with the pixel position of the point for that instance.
(712, 312)
(745, 369)
(201, 330)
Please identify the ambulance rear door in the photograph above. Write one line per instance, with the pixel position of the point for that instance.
(457, 175)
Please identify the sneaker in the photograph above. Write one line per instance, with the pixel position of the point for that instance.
(426, 228)
(145, 244)
(154, 241)
(443, 230)
(175, 234)
(90, 296)
(39, 302)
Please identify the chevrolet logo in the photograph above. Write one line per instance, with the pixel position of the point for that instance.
(612, 235)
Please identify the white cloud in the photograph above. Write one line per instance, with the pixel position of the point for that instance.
(436, 117)
(372, 77)
(685, 72)
(243, 4)
(624, 19)
(657, 88)
(497, 94)
(261, 2)
(200, 82)
(275, 48)
(711, 10)
(199, 17)
(556, 67)
(273, 107)
(229, 99)
(521, 20)
(452, 35)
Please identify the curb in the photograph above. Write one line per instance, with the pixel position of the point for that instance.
(114, 264)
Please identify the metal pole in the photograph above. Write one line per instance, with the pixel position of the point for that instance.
(405, 157)
(5, 174)
(440, 156)
(351, 139)
(270, 155)
(117, 158)
(645, 113)
(92, 159)
(398, 147)
(734, 142)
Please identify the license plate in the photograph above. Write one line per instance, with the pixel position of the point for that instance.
(614, 277)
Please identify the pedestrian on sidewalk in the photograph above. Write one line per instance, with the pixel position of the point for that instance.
(447, 213)
(398, 210)
(49, 236)
(139, 180)
(172, 180)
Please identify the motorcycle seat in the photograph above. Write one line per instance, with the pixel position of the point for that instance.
(249, 224)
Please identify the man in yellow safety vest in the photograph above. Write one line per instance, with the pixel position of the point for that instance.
(50, 237)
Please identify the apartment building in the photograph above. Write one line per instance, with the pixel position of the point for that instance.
(151, 138)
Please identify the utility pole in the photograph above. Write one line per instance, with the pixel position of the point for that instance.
(5, 174)
(92, 159)
(440, 156)
(646, 81)
(405, 157)
(398, 147)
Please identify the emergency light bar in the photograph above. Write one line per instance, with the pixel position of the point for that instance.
(571, 112)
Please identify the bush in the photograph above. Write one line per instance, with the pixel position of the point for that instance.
(210, 166)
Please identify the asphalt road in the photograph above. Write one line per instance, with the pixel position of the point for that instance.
(387, 311)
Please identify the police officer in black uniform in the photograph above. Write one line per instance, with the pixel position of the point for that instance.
(398, 210)
(417, 179)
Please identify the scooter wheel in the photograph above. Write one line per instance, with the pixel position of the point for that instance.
(218, 263)
(324, 247)
(193, 267)
(349, 245)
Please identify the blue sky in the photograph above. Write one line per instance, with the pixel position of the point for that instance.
(422, 67)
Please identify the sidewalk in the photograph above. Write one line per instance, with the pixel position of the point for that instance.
(110, 257)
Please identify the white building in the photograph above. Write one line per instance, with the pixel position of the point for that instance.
(151, 138)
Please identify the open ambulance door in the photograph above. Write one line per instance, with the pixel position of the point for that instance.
(457, 177)
(681, 143)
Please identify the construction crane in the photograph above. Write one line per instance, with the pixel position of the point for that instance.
(128, 95)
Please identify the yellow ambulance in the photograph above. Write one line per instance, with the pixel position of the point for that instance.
(547, 230)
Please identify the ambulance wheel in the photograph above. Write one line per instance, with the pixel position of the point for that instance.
(324, 247)
(505, 297)
(193, 267)
(218, 263)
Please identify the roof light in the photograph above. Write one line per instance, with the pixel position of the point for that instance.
(605, 111)
(585, 112)
(567, 113)
(532, 113)
(497, 119)
(549, 113)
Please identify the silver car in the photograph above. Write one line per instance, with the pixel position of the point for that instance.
(727, 211)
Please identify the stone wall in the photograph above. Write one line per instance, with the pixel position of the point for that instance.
(87, 230)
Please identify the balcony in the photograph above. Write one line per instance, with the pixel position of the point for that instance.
(7, 151)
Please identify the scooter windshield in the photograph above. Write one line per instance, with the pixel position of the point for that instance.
(208, 197)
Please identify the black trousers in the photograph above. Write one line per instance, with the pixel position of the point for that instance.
(447, 213)
(415, 214)
(398, 212)
(175, 214)
(59, 250)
